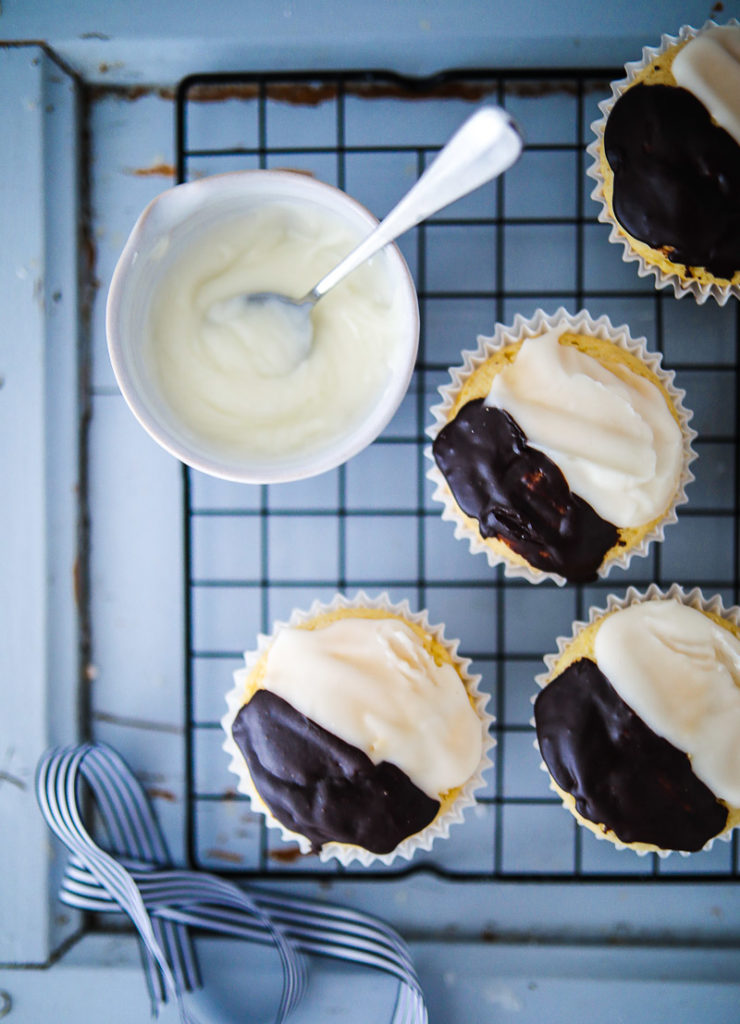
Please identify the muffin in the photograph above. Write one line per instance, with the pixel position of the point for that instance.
(638, 721)
(667, 162)
(561, 448)
(357, 730)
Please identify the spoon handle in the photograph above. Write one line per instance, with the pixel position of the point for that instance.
(484, 146)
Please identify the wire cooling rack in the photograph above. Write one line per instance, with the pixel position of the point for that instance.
(528, 240)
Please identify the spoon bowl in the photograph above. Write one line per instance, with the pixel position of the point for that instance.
(282, 325)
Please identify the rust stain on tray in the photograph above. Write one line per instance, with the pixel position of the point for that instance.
(311, 94)
(161, 169)
(96, 92)
(314, 93)
(289, 856)
(213, 93)
(305, 94)
(470, 90)
(225, 855)
(78, 582)
(459, 90)
(162, 794)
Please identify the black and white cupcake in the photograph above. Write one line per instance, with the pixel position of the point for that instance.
(667, 162)
(638, 721)
(561, 447)
(356, 729)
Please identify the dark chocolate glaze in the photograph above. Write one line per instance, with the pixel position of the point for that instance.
(676, 177)
(519, 495)
(323, 788)
(621, 774)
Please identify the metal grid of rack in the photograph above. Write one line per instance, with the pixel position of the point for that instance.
(528, 240)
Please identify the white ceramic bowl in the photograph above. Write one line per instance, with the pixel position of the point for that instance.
(175, 220)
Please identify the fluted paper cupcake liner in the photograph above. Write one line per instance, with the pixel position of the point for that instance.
(539, 323)
(693, 598)
(645, 268)
(344, 852)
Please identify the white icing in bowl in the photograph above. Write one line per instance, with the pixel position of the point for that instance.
(184, 387)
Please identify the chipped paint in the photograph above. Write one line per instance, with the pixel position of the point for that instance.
(289, 856)
(78, 586)
(115, 65)
(218, 93)
(225, 855)
(313, 94)
(155, 793)
(131, 93)
(154, 170)
(305, 94)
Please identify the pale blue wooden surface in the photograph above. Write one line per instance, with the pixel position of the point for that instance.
(135, 673)
(39, 440)
(101, 980)
(134, 42)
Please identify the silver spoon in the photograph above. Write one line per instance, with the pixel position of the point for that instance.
(484, 146)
